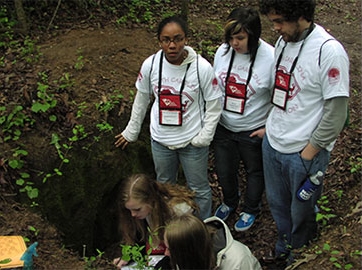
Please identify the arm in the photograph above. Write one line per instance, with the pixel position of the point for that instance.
(140, 104)
(332, 57)
(331, 124)
(131, 132)
(212, 116)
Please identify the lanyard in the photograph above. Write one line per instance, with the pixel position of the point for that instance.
(231, 65)
(294, 62)
(160, 75)
(296, 59)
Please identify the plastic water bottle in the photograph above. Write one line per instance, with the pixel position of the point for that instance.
(309, 186)
(27, 257)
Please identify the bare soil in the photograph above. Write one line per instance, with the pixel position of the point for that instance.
(112, 55)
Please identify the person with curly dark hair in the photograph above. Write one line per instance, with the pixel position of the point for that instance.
(310, 98)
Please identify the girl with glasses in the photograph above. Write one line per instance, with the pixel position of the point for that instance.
(184, 114)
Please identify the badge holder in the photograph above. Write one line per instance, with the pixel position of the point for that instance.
(235, 97)
(170, 109)
(281, 89)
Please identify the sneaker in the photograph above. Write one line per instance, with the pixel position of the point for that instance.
(223, 211)
(245, 222)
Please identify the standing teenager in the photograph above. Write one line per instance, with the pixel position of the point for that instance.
(184, 113)
(310, 99)
(243, 66)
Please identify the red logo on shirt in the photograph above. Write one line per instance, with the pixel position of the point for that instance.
(140, 76)
(333, 75)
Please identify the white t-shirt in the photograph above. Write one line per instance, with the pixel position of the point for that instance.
(312, 83)
(192, 98)
(259, 88)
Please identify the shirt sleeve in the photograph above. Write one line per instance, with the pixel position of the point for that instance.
(212, 116)
(334, 65)
(143, 83)
(211, 94)
(332, 122)
(334, 70)
(140, 104)
(139, 109)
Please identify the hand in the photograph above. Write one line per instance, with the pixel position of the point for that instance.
(198, 141)
(309, 152)
(121, 141)
(118, 262)
(260, 133)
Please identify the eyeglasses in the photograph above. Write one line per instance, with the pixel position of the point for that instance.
(167, 41)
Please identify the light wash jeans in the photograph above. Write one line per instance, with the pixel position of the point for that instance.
(284, 174)
(194, 162)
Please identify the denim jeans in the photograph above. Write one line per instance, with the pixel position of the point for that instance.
(194, 162)
(231, 148)
(284, 174)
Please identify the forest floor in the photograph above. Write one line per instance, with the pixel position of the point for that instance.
(111, 56)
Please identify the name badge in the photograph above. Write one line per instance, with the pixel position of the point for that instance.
(281, 89)
(235, 97)
(170, 109)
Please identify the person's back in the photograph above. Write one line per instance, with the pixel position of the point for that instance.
(231, 254)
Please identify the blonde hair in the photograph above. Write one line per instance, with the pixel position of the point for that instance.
(160, 197)
(187, 238)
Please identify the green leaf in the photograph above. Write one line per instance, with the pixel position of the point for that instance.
(24, 175)
(2, 119)
(20, 182)
(326, 246)
(33, 193)
(5, 261)
(55, 138)
(53, 118)
(58, 172)
(21, 152)
(40, 107)
(14, 163)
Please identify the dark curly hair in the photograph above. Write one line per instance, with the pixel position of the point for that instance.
(173, 19)
(291, 10)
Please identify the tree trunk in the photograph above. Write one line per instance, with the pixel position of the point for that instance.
(21, 16)
(184, 9)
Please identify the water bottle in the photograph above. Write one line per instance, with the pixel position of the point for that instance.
(309, 186)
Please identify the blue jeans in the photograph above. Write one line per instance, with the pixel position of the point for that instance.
(284, 174)
(194, 162)
(231, 148)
